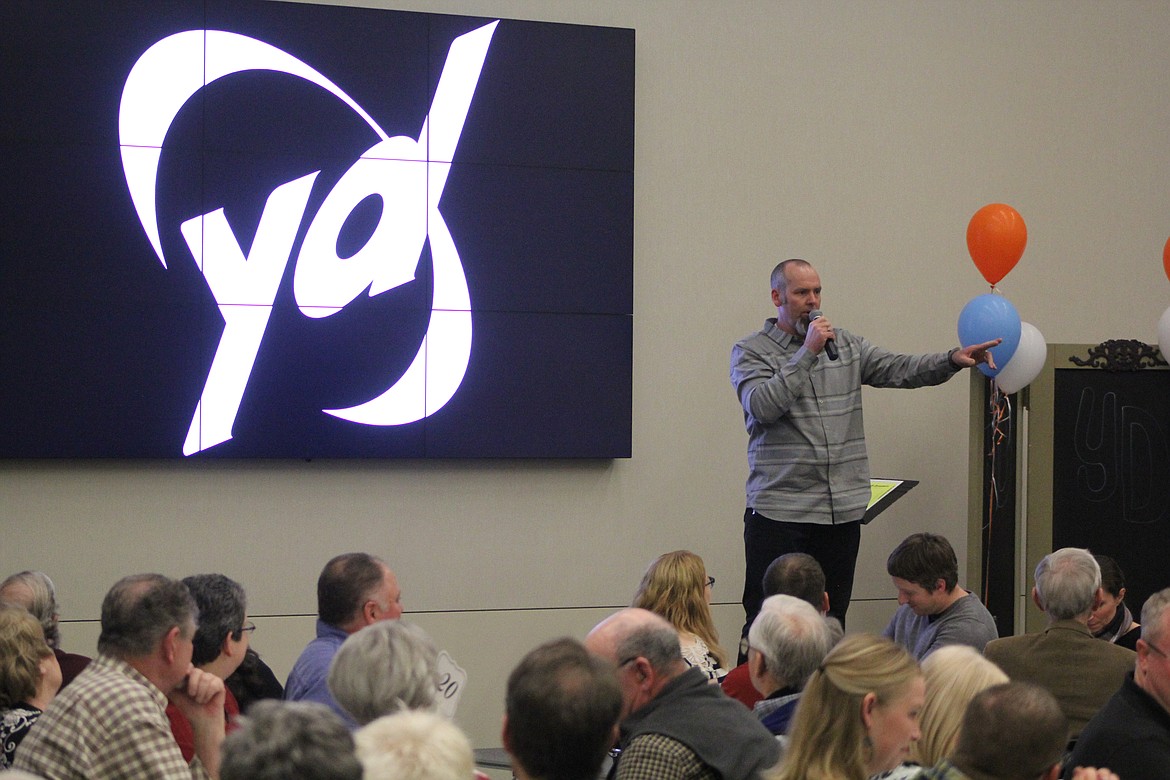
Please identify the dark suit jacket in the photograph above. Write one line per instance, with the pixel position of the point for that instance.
(1080, 671)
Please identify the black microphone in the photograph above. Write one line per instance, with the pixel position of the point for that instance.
(830, 347)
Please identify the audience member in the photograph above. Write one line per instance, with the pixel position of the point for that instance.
(1112, 621)
(787, 642)
(858, 715)
(383, 669)
(792, 574)
(34, 591)
(1079, 671)
(218, 646)
(954, 675)
(253, 681)
(1012, 731)
(111, 722)
(561, 713)
(674, 725)
(1131, 734)
(414, 745)
(933, 610)
(29, 677)
(354, 590)
(281, 740)
(676, 586)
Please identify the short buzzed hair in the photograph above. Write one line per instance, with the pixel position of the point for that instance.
(796, 574)
(139, 610)
(779, 277)
(924, 559)
(1013, 731)
(345, 584)
(562, 704)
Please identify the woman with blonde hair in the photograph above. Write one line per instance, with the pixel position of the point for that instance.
(676, 586)
(29, 677)
(955, 674)
(858, 714)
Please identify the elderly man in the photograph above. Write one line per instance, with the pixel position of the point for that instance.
(1011, 731)
(1131, 734)
(218, 647)
(674, 724)
(787, 642)
(34, 591)
(799, 382)
(561, 712)
(354, 590)
(933, 610)
(280, 740)
(111, 722)
(793, 574)
(1080, 671)
(384, 668)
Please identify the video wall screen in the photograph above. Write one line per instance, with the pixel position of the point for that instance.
(281, 230)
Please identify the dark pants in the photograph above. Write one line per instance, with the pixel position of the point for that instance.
(834, 547)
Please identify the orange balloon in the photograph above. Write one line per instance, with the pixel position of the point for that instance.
(996, 237)
(1166, 258)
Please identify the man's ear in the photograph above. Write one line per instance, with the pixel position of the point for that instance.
(777, 300)
(940, 585)
(825, 603)
(369, 613)
(505, 737)
(1053, 773)
(1036, 599)
(169, 647)
(228, 647)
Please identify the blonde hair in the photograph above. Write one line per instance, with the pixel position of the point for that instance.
(22, 646)
(674, 587)
(414, 745)
(954, 674)
(828, 738)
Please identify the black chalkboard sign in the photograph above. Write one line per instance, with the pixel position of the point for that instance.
(1099, 461)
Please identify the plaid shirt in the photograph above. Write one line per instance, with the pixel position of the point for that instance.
(108, 724)
(658, 757)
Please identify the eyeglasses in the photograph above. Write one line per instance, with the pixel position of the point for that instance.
(1155, 648)
(710, 582)
(247, 628)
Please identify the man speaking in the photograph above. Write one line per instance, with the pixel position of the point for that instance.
(799, 382)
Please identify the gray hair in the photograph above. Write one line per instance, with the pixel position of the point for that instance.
(656, 642)
(1066, 582)
(139, 611)
(1152, 611)
(414, 746)
(793, 638)
(385, 667)
(281, 739)
(40, 600)
(222, 608)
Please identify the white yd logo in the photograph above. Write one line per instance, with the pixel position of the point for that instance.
(173, 70)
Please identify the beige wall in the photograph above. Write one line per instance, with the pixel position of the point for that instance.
(859, 135)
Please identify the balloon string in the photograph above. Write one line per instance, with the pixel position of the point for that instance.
(1000, 415)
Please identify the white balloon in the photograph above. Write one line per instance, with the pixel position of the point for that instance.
(1164, 335)
(1027, 361)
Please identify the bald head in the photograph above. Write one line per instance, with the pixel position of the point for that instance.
(634, 633)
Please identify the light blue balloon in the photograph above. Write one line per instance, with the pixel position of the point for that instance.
(987, 318)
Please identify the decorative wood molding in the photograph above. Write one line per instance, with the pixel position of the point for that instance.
(1121, 355)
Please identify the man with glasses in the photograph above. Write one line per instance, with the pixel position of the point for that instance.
(1131, 734)
(354, 590)
(1080, 671)
(674, 724)
(218, 647)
